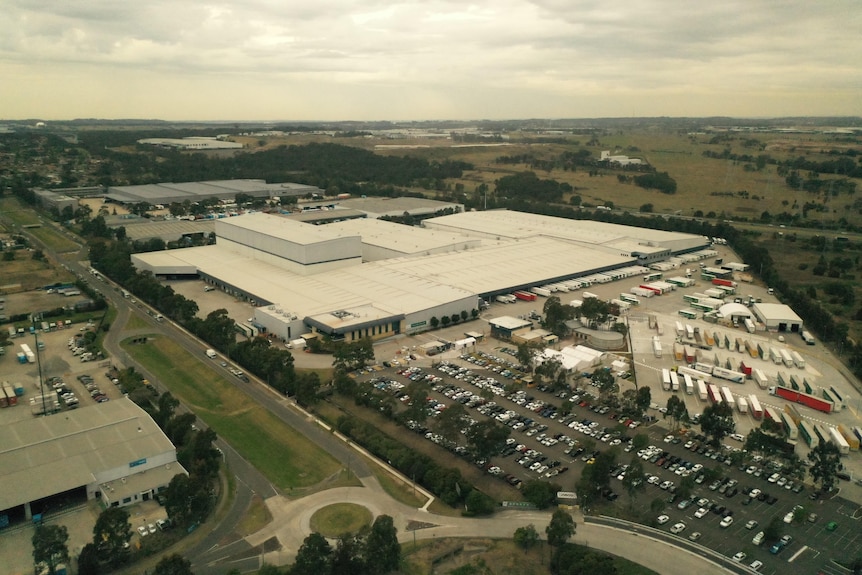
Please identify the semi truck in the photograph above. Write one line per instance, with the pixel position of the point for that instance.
(727, 397)
(28, 353)
(589, 295)
(704, 368)
(674, 381)
(754, 406)
(786, 357)
(807, 337)
(742, 405)
(790, 426)
(694, 373)
(665, 379)
(522, 295)
(11, 398)
(656, 346)
(749, 325)
(541, 291)
(211, 353)
(837, 397)
(630, 298)
(642, 292)
(772, 415)
(714, 393)
(805, 399)
(808, 435)
(729, 375)
(723, 282)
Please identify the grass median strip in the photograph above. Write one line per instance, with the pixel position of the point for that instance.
(285, 456)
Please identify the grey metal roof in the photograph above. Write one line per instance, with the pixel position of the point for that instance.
(44, 456)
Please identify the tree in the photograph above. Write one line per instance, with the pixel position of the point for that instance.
(347, 557)
(313, 556)
(773, 530)
(526, 537)
(639, 441)
(173, 565)
(676, 410)
(643, 398)
(451, 421)
(111, 534)
(487, 438)
(605, 380)
(434, 322)
(634, 479)
(88, 561)
(717, 421)
(382, 551)
(524, 355)
(556, 315)
(560, 529)
(445, 321)
(49, 546)
(825, 463)
(477, 503)
(540, 493)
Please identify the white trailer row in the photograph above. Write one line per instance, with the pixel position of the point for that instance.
(701, 389)
(727, 397)
(642, 292)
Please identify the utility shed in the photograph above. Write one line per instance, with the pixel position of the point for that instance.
(777, 317)
(505, 327)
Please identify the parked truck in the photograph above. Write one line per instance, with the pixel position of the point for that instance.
(837, 439)
(694, 372)
(541, 291)
(656, 346)
(850, 437)
(9, 392)
(742, 405)
(727, 397)
(674, 381)
(786, 357)
(701, 389)
(754, 407)
(805, 399)
(749, 325)
(798, 359)
(729, 375)
(760, 378)
(807, 337)
(211, 353)
(689, 384)
(723, 282)
(522, 295)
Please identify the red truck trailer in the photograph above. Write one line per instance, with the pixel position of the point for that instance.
(722, 282)
(803, 398)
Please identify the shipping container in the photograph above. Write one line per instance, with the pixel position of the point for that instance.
(701, 389)
(838, 441)
(727, 397)
(786, 357)
(790, 426)
(760, 378)
(806, 432)
(798, 360)
(837, 397)
(783, 379)
(739, 345)
(754, 406)
(524, 295)
(656, 346)
(665, 379)
(689, 384)
(674, 381)
(804, 398)
(714, 393)
(849, 437)
(772, 415)
(9, 392)
(821, 432)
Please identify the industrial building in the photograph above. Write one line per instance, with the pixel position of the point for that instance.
(777, 317)
(111, 451)
(167, 193)
(400, 206)
(366, 277)
(192, 143)
(54, 200)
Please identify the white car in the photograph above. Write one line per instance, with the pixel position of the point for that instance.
(701, 512)
(789, 517)
(678, 528)
(751, 525)
(726, 522)
(739, 557)
(662, 519)
(756, 565)
(142, 531)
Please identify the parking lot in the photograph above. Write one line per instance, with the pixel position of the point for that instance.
(548, 446)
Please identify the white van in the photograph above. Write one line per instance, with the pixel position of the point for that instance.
(758, 539)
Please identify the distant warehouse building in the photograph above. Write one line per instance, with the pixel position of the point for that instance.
(112, 451)
(55, 200)
(168, 193)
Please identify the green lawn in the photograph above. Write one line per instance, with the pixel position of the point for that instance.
(53, 239)
(286, 457)
(13, 211)
(340, 519)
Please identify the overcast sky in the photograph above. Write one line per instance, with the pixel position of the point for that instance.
(428, 59)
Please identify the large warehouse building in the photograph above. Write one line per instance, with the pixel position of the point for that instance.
(373, 278)
(111, 451)
(167, 193)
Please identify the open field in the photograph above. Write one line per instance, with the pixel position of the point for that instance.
(287, 458)
(29, 273)
(12, 210)
(135, 321)
(256, 517)
(340, 519)
(53, 239)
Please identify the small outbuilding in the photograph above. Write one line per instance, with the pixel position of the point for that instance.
(777, 317)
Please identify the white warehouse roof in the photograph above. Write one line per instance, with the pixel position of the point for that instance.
(398, 239)
(280, 228)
